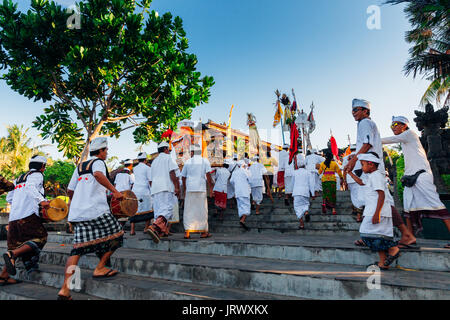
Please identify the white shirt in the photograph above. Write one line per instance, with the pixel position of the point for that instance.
(25, 198)
(195, 170)
(142, 173)
(241, 183)
(344, 163)
(289, 170)
(376, 181)
(257, 170)
(124, 180)
(303, 184)
(160, 173)
(283, 160)
(222, 175)
(368, 133)
(311, 162)
(415, 155)
(89, 198)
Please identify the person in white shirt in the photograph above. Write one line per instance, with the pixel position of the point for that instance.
(95, 228)
(230, 188)
(220, 188)
(313, 161)
(241, 183)
(304, 188)
(356, 192)
(368, 140)
(283, 160)
(196, 174)
(377, 227)
(142, 190)
(420, 199)
(125, 179)
(257, 175)
(27, 235)
(165, 189)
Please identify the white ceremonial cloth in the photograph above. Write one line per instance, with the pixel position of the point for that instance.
(222, 175)
(141, 187)
(303, 183)
(160, 173)
(195, 216)
(243, 204)
(241, 183)
(283, 159)
(301, 205)
(25, 198)
(257, 194)
(195, 170)
(89, 199)
(368, 133)
(124, 181)
(257, 170)
(163, 203)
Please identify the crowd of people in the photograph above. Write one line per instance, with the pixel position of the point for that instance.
(163, 186)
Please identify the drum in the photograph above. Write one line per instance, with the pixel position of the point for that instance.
(125, 208)
(58, 211)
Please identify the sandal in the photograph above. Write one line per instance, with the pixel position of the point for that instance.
(62, 298)
(376, 264)
(359, 243)
(405, 246)
(109, 274)
(10, 267)
(243, 225)
(390, 259)
(206, 235)
(324, 208)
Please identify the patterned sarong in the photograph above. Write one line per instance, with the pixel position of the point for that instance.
(329, 193)
(280, 179)
(220, 200)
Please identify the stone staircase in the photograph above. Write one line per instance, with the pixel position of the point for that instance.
(273, 261)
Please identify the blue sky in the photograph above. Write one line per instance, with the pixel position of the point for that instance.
(323, 49)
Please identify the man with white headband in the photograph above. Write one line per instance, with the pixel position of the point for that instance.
(257, 175)
(196, 175)
(368, 140)
(420, 198)
(165, 188)
(304, 188)
(240, 181)
(125, 179)
(313, 161)
(142, 190)
(96, 230)
(356, 197)
(283, 160)
(26, 233)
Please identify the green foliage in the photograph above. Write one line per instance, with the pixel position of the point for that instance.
(400, 173)
(123, 69)
(3, 202)
(60, 172)
(446, 178)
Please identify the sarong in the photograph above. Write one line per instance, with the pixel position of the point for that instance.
(176, 214)
(195, 216)
(378, 243)
(243, 206)
(289, 185)
(257, 195)
(301, 206)
(27, 231)
(417, 216)
(141, 217)
(146, 206)
(329, 193)
(101, 235)
(220, 200)
(280, 179)
(163, 203)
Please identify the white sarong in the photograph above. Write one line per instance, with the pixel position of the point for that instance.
(195, 216)
(163, 203)
(422, 196)
(257, 194)
(356, 194)
(230, 190)
(301, 205)
(176, 214)
(146, 205)
(243, 206)
(289, 184)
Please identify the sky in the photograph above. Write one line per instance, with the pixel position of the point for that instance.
(322, 49)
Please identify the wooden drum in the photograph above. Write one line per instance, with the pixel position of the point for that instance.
(125, 208)
(58, 211)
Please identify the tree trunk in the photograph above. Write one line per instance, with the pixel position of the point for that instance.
(85, 153)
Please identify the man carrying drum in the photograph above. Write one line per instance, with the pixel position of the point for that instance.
(95, 228)
(26, 233)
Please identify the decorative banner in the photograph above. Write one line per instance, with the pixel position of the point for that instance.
(278, 114)
(334, 147)
(294, 141)
(230, 148)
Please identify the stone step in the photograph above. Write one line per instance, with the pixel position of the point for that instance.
(429, 256)
(47, 282)
(310, 280)
(291, 217)
(291, 225)
(33, 291)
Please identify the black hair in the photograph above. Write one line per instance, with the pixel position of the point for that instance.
(374, 154)
(308, 152)
(141, 160)
(36, 165)
(225, 165)
(328, 159)
(96, 152)
(162, 149)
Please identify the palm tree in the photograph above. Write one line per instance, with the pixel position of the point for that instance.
(430, 53)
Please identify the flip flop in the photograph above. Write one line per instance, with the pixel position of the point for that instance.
(376, 264)
(106, 275)
(153, 234)
(10, 268)
(359, 243)
(64, 298)
(405, 246)
(307, 218)
(301, 227)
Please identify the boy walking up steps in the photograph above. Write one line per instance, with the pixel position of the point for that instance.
(376, 228)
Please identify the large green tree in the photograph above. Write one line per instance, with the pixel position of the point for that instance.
(125, 67)
(430, 53)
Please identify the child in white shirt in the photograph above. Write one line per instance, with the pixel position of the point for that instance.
(257, 175)
(240, 181)
(377, 228)
(304, 188)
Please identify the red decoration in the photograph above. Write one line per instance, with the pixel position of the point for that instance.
(294, 142)
(334, 147)
(167, 134)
